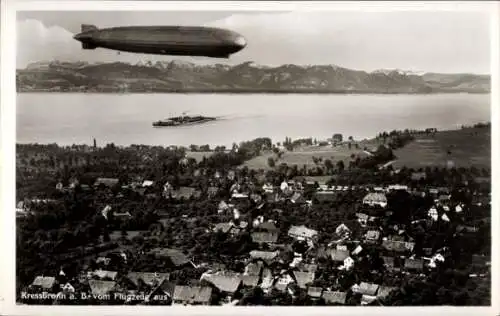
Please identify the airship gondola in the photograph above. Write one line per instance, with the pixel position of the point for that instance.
(163, 40)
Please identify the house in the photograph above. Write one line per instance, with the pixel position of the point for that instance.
(106, 182)
(397, 187)
(433, 213)
(362, 218)
(265, 237)
(416, 265)
(367, 299)
(365, 288)
(284, 187)
(444, 198)
(44, 283)
(147, 278)
(68, 288)
(230, 227)
(130, 234)
(267, 280)
(341, 247)
(427, 251)
(223, 206)
(192, 295)
(103, 260)
(348, 264)
(480, 261)
(334, 297)
(357, 250)
(445, 218)
(398, 246)
(159, 293)
(268, 226)
(147, 183)
(125, 214)
(338, 255)
(212, 192)
(297, 260)
(297, 198)
(268, 188)
(223, 227)
(436, 258)
(254, 268)
(185, 193)
(303, 278)
(101, 288)
(467, 229)
(266, 256)
(389, 263)
(342, 231)
(239, 197)
(417, 176)
(308, 267)
(104, 274)
(325, 196)
(314, 292)
(227, 283)
(250, 280)
(176, 257)
(59, 186)
(302, 233)
(283, 281)
(73, 182)
(384, 291)
(375, 198)
(372, 236)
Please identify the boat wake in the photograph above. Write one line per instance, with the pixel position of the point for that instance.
(237, 117)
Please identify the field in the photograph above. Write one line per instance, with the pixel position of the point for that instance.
(198, 155)
(461, 148)
(304, 155)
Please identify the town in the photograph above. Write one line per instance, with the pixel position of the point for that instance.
(151, 225)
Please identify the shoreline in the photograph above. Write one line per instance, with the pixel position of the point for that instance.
(213, 146)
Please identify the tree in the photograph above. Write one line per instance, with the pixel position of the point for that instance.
(270, 162)
(340, 165)
(337, 138)
(328, 164)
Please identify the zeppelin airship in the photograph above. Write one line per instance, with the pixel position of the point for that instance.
(163, 40)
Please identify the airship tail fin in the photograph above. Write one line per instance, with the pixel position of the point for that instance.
(89, 27)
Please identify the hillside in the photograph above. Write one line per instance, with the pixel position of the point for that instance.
(176, 76)
(460, 148)
(468, 147)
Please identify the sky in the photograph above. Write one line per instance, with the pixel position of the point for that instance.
(432, 41)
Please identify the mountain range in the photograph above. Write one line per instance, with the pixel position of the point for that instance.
(179, 76)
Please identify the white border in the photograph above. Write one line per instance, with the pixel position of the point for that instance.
(8, 128)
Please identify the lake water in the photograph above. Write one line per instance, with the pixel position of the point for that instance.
(126, 119)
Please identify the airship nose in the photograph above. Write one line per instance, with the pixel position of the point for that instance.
(82, 37)
(240, 41)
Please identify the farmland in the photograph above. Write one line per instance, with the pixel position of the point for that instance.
(305, 156)
(462, 148)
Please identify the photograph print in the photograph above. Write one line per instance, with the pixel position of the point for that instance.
(253, 158)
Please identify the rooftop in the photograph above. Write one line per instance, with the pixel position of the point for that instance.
(192, 294)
